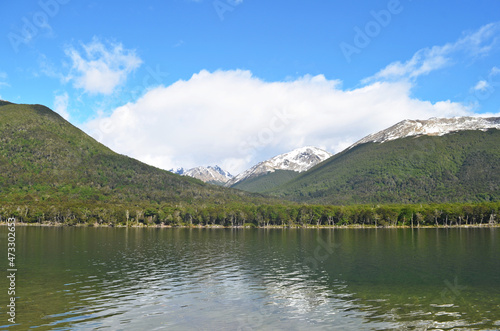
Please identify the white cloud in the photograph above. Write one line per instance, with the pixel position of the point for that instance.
(471, 45)
(233, 119)
(100, 68)
(61, 105)
(482, 85)
(49, 69)
(3, 79)
(484, 89)
(486, 86)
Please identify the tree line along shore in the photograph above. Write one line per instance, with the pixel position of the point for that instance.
(272, 215)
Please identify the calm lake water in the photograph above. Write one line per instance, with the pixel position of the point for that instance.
(254, 279)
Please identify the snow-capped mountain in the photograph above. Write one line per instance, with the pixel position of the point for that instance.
(298, 160)
(207, 174)
(431, 127)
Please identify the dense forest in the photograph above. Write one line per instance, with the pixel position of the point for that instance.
(258, 215)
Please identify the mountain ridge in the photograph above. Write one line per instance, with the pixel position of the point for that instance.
(433, 127)
(210, 174)
(297, 160)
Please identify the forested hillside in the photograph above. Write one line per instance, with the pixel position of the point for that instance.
(47, 164)
(458, 167)
(267, 181)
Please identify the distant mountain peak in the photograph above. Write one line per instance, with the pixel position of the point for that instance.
(431, 127)
(221, 171)
(298, 160)
(210, 174)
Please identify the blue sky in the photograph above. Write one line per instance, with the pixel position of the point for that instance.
(233, 82)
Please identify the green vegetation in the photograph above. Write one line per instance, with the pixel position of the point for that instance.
(52, 172)
(266, 182)
(459, 167)
(263, 215)
(48, 163)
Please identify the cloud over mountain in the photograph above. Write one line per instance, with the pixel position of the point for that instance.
(232, 118)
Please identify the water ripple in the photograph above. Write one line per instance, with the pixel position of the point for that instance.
(184, 279)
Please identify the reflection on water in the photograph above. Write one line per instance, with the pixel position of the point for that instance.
(235, 279)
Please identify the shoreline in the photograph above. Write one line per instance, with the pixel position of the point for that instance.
(313, 227)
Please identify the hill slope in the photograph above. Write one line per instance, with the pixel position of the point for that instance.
(266, 182)
(44, 159)
(457, 167)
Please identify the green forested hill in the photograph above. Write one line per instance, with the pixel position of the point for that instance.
(266, 182)
(46, 160)
(458, 167)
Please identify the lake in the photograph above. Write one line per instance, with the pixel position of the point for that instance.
(254, 279)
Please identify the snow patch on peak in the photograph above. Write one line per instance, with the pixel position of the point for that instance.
(431, 127)
(221, 171)
(208, 174)
(299, 160)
